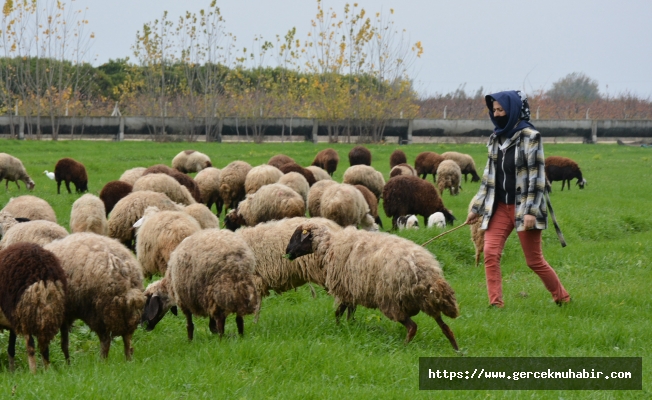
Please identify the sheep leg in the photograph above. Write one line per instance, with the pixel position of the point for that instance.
(31, 353)
(65, 333)
(190, 327)
(221, 321)
(105, 345)
(411, 327)
(350, 311)
(212, 325)
(447, 331)
(44, 348)
(58, 187)
(240, 323)
(68, 187)
(11, 350)
(338, 313)
(129, 351)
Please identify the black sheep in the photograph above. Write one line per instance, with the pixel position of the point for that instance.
(112, 192)
(563, 169)
(327, 160)
(69, 170)
(360, 155)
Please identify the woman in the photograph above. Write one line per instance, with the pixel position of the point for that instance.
(511, 194)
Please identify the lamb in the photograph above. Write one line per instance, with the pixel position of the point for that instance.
(314, 196)
(68, 170)
(359, 155)
(449, 176)
(563, 169)
(130, 176)
(279, 160)
(261, 175)
(105, 288)
(397, 157)
(402, 169)
(210, 274)
(327, 160)
(405, 195)
(294, 167)
(477, 236)
(270, 202)
(366, 176)
(12, 169)
(30, 207)
(318, 173)
(206, 219)
(208, 180)
(181, 178)
(88, 215)
(407, 222)
(163, 183)
(437, 220)
(38, 232)
(232, 183)
(466, 163)
(345, 205)
(112, 192)
(379, 270)
(32, 298)
(296, 182)
(427, 163)
(191, 161)
(372, 202)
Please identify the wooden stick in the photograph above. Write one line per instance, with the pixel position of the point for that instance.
(442, 234)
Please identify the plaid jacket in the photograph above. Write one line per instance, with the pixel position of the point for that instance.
(530, 179)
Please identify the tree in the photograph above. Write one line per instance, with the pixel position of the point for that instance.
(575, 86)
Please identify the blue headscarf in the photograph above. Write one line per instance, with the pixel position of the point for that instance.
(517, 109)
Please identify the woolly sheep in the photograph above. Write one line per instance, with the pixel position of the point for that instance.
(366, 176)
(477, 236)
(208, 180)
(405, 195)
(372, 202)
(232, 185)
(296, 182)
(294, 167)
(345, 205)
(39, 232)
(112, 192)
(191, 161)
(327, 160)
(206, 219)
(12, 169)
(407, 222)
(105, 288)
(437, 220)
(359, 155)
(279, 160)
(319, 174)
(32, 298)
(210, 274)
(563, 169)
(270, 202)
(314, 196)
(69, 170)
(402, 169)
(30, 207)
(466, 163)
(261, 175)
(163, 183)
(449, 176)
(398, 157)
(130, 176)
(181, 178)
(379, 270)
(427, 163)
(88, 215)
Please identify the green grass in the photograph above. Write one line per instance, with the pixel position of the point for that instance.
(297, 351)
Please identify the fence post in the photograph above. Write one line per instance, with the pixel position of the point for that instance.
(594, 131)
(21, 128)
(315, 130)
(409, 131)
(121, 130)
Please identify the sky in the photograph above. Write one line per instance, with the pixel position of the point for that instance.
(471, 44)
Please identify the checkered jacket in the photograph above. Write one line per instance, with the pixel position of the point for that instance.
(530, 179)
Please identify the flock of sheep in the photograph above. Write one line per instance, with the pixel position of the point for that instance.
(158, 221)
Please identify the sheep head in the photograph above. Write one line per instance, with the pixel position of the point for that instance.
(300, 243)
(158, 303)
(233, 220)
(581, 183)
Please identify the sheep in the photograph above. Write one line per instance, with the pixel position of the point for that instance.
(318, 173)
(294, 167)
(402, 169)
(105, 288)
(427, 163)
(345, 205)
(274, 201)
(436, 220)
(407, 222)
(327, 160)
(112, 192)
(563, 169)
(181, 178)
(405, 195)
(30, 207)
(32, 298)
(397, 157)
(366, 176)
(477, 236)
(68, 170)
(232, 183)
(359, 155)
(130, 176)
(296, 182)
(88, 215)
(39, 232)
(372, 202)
(279, 160)
(164, 184)
(449, 176)
(466, 163)
(314, 196)
(206, 219)
(379, 270)
(210, 274)
(158, 233)
(261, 175)
(208, 181)
(12, 169)
(191, 161)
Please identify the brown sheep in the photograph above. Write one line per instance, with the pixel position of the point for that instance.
(69, 170)
(477, 237)
(563, 169)
(112, 192)
(372, 201)
(427, 163)
(280, 159)
(466, 163)
(359, 155)
(397, 157)
(294, 167)
(180, 177)
(327, 160)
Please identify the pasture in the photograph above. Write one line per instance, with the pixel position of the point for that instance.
(297, 351)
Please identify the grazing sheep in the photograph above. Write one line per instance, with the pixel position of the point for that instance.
(181, 178)
(12, 169)
(427, 163)
(359, 155)
(398, 157)
(327, 160)
(563, 169)
(270, 202)
(449, 176)
(208, 180)
(437, 220)
(294, 167)
(407, 222)
(30, 207)
(296, 182)
(191, 161)
(112, 192)
(402, 169)
(314, 196)
(366, 176)
(88, 215)
(477, 236)
(232, 185)
(130, 176)
(279, 160)
(69, 170)
(405, 195)
(32, 298)
(372, 202)
(39, 232)
(158, 233)
(466, 163)
(345, 205)
(206, 219)
(105, 288)
(210, 274)
(379, 270)
(261, 175)
(166, 184)
(319, 174)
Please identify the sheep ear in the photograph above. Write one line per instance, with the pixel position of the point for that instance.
(304, 234)
(173, 309)
(138, 223)
(153, 306)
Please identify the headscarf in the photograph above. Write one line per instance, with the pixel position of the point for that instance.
(516, 107)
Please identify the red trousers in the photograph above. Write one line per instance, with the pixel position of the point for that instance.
(502, 223)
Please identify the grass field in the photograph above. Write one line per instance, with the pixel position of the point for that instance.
(297, 351)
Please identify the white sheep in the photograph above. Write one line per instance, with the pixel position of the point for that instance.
(449, 176)
(345, 204)
(366, 176)
(407, 222)
(12, 169)
(39, 232)
(465, 162)
(191, 161)
(270, 202)
(30, 207)
(437, 219)
(89, 215)
(131, 175)
(166, 184)
(206, 219)
(319, 173)
(232, 184)
(209, 180)
(296, 182)
(314, 196)
(260, 176)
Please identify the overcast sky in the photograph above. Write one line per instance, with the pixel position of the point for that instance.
(496, 45)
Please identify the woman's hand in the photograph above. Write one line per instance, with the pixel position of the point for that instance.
(529, 222)
(472, 218)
